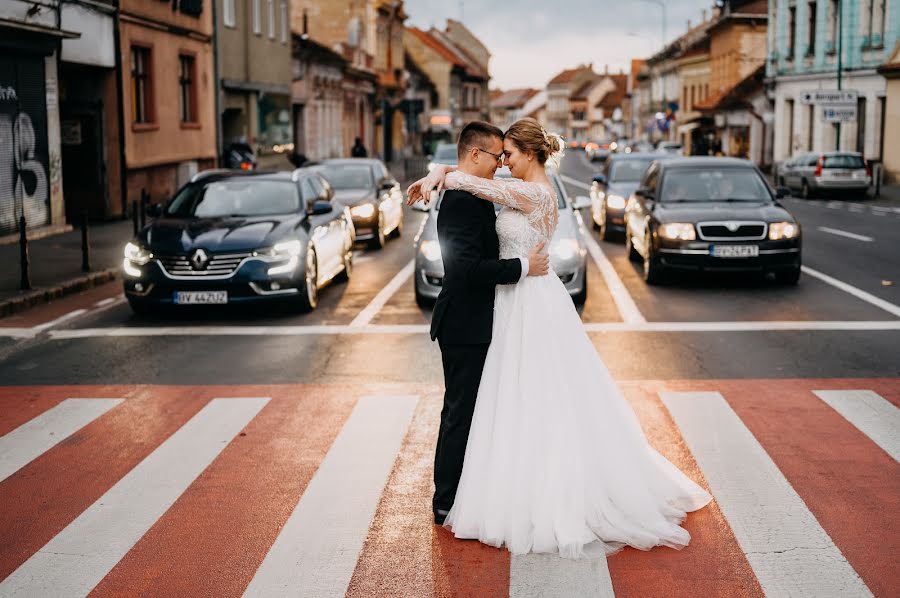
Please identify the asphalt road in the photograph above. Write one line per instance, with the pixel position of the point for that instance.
(237, 410)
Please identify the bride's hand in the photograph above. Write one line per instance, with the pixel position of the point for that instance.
(422, 188)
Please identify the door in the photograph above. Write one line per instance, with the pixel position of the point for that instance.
(82, 163)
(332, 240)
(318, 229)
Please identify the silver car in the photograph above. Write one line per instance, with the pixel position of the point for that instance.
(816, 174)
(568, 254)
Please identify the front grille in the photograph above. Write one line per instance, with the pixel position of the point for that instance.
(222, 264)
(733, 231)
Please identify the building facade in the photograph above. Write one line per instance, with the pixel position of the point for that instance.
(891, 139)
(559, 91)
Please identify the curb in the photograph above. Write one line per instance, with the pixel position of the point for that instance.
(75, 285)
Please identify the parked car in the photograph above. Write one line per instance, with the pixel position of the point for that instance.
(638, 146)
(813, 173)
(374, 197)
(444, 153)
(239, 156)
(235, 238)
(670, 147)
(611, 189)
(568, 254)
(710, 214)
(598, 151)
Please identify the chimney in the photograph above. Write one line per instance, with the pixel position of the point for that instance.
(689, 24)
(704, 15)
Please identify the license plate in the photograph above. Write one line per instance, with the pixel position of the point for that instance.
(734, 251)
(200, 297)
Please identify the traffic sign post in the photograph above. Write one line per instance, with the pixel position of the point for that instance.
(839, 113)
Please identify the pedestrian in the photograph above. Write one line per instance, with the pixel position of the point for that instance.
(359, 150)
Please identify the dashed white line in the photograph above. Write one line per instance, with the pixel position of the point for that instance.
(856, 292)
(103, 302)
(383, 296)
(843, 233)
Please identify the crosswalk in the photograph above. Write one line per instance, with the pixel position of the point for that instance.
(324, 490)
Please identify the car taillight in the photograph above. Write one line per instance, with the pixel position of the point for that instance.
(868, 170)
(819, 165)
(246, 166)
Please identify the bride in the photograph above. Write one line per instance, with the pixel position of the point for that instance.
(556, 458)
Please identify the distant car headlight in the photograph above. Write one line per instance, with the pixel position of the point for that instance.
(616, 202)
(365, 210)
(783, 230)
(678, 231)
(431, 250)
(137, 254)
(564, 249)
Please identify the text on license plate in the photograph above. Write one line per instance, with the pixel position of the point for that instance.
(197, 297)
(734, 250)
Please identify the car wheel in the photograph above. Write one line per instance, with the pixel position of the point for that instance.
(633, 254)
(788, 277)
(309, 295)
(605, 233)
(345, 274)
(379, 240)
(653, 270)
(581, 296)
(804, 189)
(423, 301)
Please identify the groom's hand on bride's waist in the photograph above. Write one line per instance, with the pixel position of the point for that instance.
(538, 263)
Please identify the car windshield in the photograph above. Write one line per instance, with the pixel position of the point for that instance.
(554, 181)
(446, 154)
(234, 197)
(348, 176)
(844, 161)
(724, 184)
(625, 171)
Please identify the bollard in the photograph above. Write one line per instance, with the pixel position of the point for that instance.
(25, 281)
(134, 216)
(144, 198)
(85, 244)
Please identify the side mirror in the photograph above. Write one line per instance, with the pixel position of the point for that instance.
(782, 192)
(154, 210)
(319, 207)
(599, 178)
(581, 202)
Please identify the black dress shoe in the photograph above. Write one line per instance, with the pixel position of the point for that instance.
(440, 516)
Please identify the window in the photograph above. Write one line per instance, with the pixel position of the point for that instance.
(832, 25)
(270, 16)
(792, 31)
(684, 97)
(257, 17)
(141, 98)
(187, 95)
(284, 22)
(811, 28)
(228, 13)
(789, 117)
(873, 20)
(861, 124)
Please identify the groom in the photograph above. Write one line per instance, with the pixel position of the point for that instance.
(463, 313)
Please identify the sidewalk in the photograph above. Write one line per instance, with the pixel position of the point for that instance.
(55, 265)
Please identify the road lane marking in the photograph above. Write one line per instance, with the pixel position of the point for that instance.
(870, 414)
(575, 182)
(550, 575)
(740, 326)
(17, 332)
(35, 437)
(75, 561)
(843, 233)
(59, 320)
(789, 552)
(628, 309)
(383, 296)
(318, 547)
(103, 302)
(856, 292)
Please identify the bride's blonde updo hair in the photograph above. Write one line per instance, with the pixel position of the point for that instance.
(530, 136)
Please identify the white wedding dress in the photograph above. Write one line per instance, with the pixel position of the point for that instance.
(556, 459)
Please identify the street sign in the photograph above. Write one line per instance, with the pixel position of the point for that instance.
(829, 96)
(839, 113)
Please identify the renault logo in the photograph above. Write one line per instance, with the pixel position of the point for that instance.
(199, 260)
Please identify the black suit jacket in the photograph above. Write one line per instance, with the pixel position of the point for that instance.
(464, 311)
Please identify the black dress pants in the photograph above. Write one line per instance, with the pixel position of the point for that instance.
(462, 375)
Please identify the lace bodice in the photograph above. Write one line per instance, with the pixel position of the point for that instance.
(529, 213)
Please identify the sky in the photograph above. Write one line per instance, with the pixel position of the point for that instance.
(532, 40)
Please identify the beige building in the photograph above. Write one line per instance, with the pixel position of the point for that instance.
(254, 46)
(169, 94)
(891, 72)
(559, 90)
(694, 128)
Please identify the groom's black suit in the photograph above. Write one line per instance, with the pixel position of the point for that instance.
(462, 322)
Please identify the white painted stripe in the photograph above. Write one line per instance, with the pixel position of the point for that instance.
(81, 555)
(858, 293)
(874, 416)
(789, 552)
(59, 320)
(628, 309)
(103, 302)
(17, 332)
(549, 575)
(372, 309)
(741, 326)
(575, 182)
(880, 209)
(36, 436)
(317, 549)
(843, 233)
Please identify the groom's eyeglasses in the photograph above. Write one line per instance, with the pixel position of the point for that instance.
(498, 156)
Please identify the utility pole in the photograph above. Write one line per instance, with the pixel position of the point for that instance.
(840, 57)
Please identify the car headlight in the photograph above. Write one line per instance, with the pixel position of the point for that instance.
(365, 210)
(431, 250)
(678, 231)
(783, 230)
(616, 202)
(137, 254)
(564, 249)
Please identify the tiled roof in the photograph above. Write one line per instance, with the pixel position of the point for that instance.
(437, 46)
(582, 92)
(514, 98)
(568, 75)
(613, 98)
